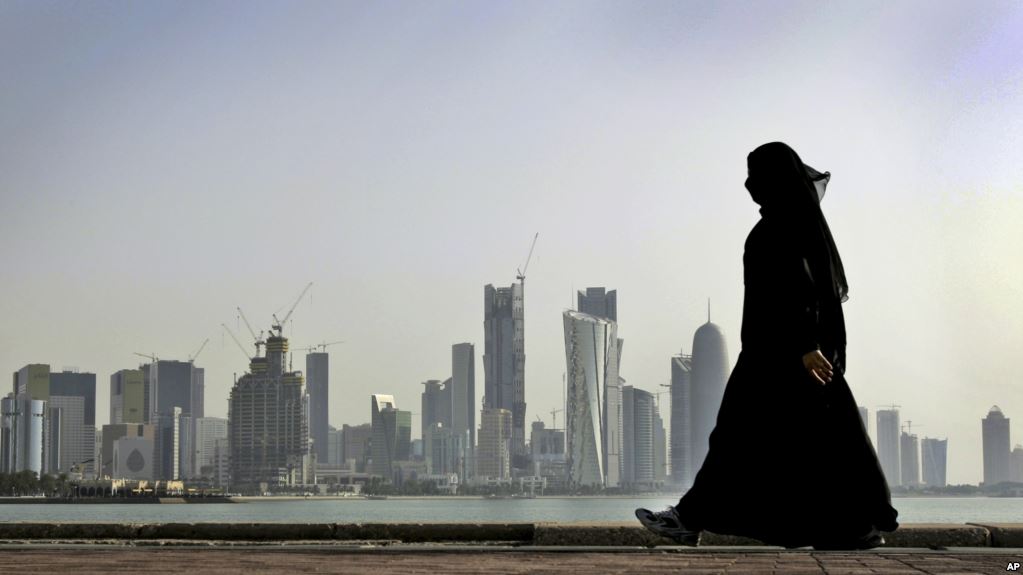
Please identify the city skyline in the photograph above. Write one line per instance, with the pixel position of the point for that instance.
(155, 160)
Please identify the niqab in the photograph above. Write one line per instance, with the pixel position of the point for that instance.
(789, 194)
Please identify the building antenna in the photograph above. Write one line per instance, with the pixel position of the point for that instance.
(708, 310)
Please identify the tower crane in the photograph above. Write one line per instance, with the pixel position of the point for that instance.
(192, 358)
(238, 343)
(554, 417)
(151, 357)
(279, 324)
(521, 273)
(257, 339)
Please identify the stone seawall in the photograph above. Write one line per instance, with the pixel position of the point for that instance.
(604, 534)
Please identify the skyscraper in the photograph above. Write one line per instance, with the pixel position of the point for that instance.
(681, 422)
(710, 373)
(1016, 464)
(317, 372)
(597, 302)
(594, 412)
(865, 418)
(888, 445)
(21, 434)
(995, 428)
(392, 435)
(169, 384)
(78, 436)
(934, 457)
(127, 397)
(504, 357)
(638, 412)
(909, 453)
(207, 431)
(267, 429)
(462, 388)
(436, 405)
(494, 452)
(660, 448)
(356, 441)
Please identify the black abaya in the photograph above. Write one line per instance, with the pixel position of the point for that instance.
(790, 462)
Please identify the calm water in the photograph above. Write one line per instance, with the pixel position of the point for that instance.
(911, 510)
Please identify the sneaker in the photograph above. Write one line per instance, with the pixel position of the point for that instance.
(667, 524)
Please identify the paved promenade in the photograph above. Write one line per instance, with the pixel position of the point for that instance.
(297, 558)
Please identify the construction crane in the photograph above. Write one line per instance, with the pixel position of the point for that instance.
(257, 339)
(192, 358)
(521, 273)
(279, 324)
(909, 426)
(240, 346)
(151, 357)
(554, 417)
(659, 393)
(323, 346)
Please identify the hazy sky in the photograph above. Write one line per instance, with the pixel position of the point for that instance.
(162, 163)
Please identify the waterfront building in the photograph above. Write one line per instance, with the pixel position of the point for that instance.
(207, 431)
(995, 429)
(267, 427)
(598, 302)
(933, 461)
(33, 381)
(442, 450)
(222, 462)
(594, 410)
(168, 384)
(436, 405)
(392, 436)
(111, 433)
(21, 434)
(493, 458)
(71, 442)
(864, 416)
(638, 412)
(356, 448)
(888, 445)
(681, 422)
(709, 375)
(504, 358)
(1016, 464)
(133, 458)
(167, 448)
(462, 389)
(334, 448)
(660, 449)
(909, 454)
(317, 373)
(127, 397)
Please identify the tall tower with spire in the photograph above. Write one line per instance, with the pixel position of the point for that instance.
(710, 368)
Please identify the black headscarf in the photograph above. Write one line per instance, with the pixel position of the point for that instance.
(784, 187)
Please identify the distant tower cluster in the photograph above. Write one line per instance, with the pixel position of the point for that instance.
(49, 422)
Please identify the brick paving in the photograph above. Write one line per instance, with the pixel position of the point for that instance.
(87, 559)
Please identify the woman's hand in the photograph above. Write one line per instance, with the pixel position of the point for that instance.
(818, 366)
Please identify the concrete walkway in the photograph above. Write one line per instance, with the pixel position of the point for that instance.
(315, 558)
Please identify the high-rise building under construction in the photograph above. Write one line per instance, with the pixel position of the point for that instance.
(267, 428)
(504, 359)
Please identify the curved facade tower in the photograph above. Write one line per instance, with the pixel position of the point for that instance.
(709, 376)
(594, 409)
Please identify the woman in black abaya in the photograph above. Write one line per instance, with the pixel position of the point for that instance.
(790, 462)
